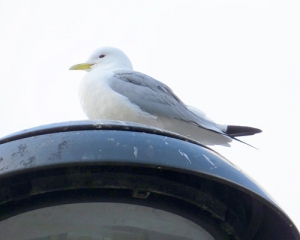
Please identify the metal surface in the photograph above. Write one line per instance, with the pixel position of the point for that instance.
(147, 161)
(71, 143)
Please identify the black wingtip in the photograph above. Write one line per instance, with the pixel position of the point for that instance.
(238, 131)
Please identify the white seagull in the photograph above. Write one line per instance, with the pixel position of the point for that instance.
(112, 90)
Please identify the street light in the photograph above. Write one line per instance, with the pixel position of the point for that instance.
(113, 180)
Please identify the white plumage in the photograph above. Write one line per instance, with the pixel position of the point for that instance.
(113, 90)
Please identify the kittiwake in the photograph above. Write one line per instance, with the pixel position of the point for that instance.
(112, 90)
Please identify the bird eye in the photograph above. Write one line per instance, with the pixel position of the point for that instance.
(102, 56)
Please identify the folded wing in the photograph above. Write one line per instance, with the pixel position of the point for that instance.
(156, 98)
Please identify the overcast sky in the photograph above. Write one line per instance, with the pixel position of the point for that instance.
(238, 61)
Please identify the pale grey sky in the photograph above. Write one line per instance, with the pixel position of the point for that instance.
(238, 61)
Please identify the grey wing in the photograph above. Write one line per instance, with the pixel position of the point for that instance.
(155, 97)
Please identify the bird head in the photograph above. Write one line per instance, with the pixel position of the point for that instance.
(105, 58)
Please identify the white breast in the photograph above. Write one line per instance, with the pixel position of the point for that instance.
(99, 101)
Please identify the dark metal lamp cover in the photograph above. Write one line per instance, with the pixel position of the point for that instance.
(113, 180)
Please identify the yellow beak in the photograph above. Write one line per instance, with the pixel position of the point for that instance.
(81, 66)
